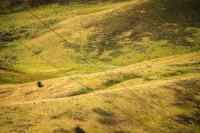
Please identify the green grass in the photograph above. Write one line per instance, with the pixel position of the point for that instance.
(118, 36)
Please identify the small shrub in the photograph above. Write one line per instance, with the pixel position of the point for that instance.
(130, 76)
(58, 116)
(28, 93)
(78, 130)
(174, 73)
(107, 121)
(81, 91)
(120, 131)
(147, 78)
(38, 51)
(100, 111)
(61, 130)
(7, 36)
(121, 78)
(111, 82)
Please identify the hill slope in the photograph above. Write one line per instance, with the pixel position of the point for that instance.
(112, 35)
(168, 87)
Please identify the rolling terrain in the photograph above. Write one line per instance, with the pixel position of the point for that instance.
(146, 76)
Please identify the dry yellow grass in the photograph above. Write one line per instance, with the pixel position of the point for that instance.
(27, 108)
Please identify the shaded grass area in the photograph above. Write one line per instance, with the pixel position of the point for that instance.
(61, 130)
(106, 118)
(169, 20)
(188, 98)
(187, 104)
(148, 30)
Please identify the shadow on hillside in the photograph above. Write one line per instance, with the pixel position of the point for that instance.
(187, 99)
(156, 20)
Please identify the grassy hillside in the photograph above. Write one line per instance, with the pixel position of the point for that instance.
(169, 86)
(149, 51)
(110, 34)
